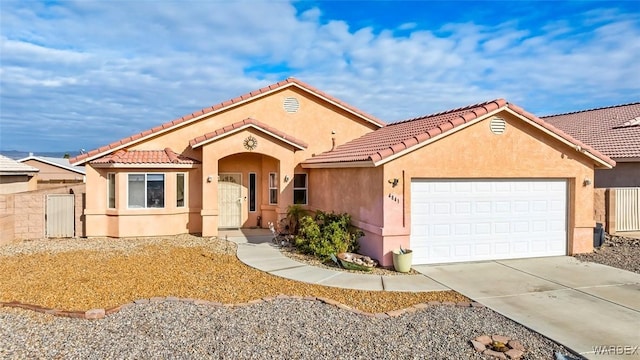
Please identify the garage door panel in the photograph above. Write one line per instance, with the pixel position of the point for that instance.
(462, 220)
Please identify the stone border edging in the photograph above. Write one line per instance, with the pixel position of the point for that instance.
(95, 314)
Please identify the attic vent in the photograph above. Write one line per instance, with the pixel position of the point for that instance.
(498, 126)
(291, 105)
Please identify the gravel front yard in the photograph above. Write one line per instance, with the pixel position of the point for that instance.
(617, 251)
(84, 274)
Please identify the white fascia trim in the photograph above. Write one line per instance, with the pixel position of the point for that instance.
(577, 147)
(144, 166)
(438, 137)
(343, 164)
(70, 168)
(215, 138)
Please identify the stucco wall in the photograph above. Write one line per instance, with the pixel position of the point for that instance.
(10, 184)
(315, 123)
(49, 172)
(23, 214)
(125, 222)
(624, 174)
(521, 152)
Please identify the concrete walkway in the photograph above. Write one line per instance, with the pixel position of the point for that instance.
(580, 305)
(256, 250)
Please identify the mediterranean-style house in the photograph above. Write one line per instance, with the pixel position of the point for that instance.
(486, 181)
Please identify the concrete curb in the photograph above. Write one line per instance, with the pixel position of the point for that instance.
(96, 314)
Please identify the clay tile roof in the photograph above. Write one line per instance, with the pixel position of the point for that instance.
(394, 138)
(218, 107)
(249, 122)
(166, 156)
(614, 130)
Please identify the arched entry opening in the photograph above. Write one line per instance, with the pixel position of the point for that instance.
(248, 190)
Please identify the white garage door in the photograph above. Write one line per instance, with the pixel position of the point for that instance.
(472, 220)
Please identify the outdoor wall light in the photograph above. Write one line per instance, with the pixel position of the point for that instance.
(586, 182)
(394, 182)
(286, 178)
(209, 178)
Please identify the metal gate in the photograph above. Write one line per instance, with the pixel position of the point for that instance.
(627, 209)
(59, 218)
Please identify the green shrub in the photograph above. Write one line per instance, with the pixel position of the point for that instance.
(326, 234)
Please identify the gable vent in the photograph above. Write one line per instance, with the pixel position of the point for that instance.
(498, 126)
(291, 105)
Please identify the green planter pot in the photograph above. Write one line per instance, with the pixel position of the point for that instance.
(402, 262)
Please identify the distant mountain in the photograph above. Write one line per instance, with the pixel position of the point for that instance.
(14, 154)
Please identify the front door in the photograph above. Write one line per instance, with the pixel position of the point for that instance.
(230, 200)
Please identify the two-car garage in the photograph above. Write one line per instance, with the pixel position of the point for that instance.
(459, 220)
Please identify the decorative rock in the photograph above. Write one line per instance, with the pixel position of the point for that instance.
(514, 354)
(501, 338)
(94, 314)
(496, 354)
(484, 339)
(478, 346)
(515, 344)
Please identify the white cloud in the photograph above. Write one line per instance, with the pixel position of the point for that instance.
(105, 70)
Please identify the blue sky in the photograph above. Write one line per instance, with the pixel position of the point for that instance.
(81, 74)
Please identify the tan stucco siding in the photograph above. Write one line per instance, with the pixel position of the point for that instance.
(125, 222)
(313, 123)
(625, 174)
(49, 172)
(10, 184)
(521, 152)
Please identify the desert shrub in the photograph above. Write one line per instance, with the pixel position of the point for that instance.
(326, 234)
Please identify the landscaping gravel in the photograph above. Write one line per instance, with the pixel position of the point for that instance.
(101, 273)
(279, 329)
(617, 251)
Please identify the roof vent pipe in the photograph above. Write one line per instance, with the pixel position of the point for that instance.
(333, 143)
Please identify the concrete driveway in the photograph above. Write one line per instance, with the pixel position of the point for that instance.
(580, 305)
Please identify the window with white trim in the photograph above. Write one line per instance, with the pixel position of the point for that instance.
(300, 189)
(180, 190)
(111, 190)
(273, 188)
(146, 190)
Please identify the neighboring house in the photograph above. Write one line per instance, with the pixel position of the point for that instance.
(16, 177)
(615, 132)
(487, 181)
(55, 170)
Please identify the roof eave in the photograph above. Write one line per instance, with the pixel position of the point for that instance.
(143, 166)
(338, 164)
(236, 130)
(70, 168)
(250, 98)
(438, 137)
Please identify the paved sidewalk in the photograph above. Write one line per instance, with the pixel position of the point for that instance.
(256, 250)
